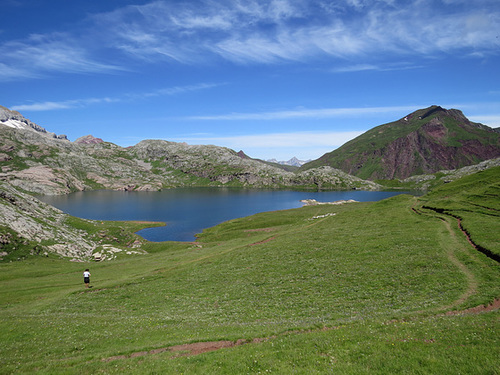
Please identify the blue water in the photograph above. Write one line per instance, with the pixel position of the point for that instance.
(187, 211)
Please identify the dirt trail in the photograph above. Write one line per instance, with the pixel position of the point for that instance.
(451, 253)
(472, 282)
(196, 348)
(183, 350)
(204, 347)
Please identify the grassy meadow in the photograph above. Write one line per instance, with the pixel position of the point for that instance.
(360, 288)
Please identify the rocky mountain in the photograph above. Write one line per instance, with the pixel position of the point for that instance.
(15, 120)
(220, 166)
(34, 160)
(41, 164)
(423, 142)
(31, 227)
(88, 140)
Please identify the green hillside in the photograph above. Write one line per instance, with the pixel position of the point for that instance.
(423, 142)
(360, 288)
(475, 201)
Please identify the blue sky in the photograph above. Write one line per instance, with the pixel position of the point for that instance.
(277, 78)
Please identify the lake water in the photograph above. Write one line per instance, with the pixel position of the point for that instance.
(187, 211)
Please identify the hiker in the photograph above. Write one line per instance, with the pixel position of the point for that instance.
(86, 277)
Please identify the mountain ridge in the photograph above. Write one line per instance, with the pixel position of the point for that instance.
(38, 162)
(294, 162)
(424, 141)
(15, 120)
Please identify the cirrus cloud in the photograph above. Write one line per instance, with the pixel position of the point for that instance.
(270, 32)
(360, 32)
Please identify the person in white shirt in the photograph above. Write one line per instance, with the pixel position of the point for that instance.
(86, 277)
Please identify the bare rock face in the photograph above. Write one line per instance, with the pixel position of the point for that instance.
(33, 220)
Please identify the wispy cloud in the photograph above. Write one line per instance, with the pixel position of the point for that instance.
(304, 145)
(268, 32)
(381, 68)
(9, 72)
(356, 68)
(66, 104)
(363, 33)
(490, 120)
(306, 113)
(41, 55)
(278, 140)
(176, 90)
(85, 102)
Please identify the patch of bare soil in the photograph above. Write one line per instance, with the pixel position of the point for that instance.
(495, 305)
(264, 241)
(185, 350)
(195, 348)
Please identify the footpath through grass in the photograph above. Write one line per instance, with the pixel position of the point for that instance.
(358, 288)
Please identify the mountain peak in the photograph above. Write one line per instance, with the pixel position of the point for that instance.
(433, 109)
(423, 142)
(293, 162)
(242, 155)
(88, 140)
(14, 119)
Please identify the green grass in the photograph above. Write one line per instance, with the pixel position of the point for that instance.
(475, 200)
(363, 290)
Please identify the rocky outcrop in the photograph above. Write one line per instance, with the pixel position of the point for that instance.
(424, 182)
(31, 227)
(223, 166)
(46, 165)
(41, 223)
(314, 202)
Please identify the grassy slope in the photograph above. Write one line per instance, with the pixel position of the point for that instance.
(377, 274)
(475, 200)
(368, 147)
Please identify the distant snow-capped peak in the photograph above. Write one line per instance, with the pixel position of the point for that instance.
(293, 161)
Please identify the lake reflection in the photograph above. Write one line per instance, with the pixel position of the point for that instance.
(188, 211)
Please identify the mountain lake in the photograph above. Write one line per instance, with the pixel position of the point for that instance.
(187, 211)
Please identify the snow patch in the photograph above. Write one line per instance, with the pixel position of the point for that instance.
(14, 124)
